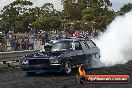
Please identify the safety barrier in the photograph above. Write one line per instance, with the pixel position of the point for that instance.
(14, 56)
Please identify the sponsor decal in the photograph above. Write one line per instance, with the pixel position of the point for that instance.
(82, 77)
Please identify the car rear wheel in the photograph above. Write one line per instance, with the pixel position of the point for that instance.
(67, 67)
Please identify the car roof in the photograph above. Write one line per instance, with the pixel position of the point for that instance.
(70, 39)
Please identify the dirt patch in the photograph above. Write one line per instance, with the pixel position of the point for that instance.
(16, 78)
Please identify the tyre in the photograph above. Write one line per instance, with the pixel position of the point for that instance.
(67, 68)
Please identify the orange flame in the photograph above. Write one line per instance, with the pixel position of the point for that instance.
(81, 71)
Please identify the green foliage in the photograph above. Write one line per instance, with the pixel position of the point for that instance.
(47, 23)
(126, 8)
(98, 14)
(73, 8)
(13, 15)
(85, 14)
(95, 12)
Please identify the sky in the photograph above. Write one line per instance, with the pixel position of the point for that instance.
(116, 4)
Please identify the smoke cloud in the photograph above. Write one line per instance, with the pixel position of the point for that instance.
(116, 43)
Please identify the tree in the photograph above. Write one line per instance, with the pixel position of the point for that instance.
(73, 8)
(98, 3)
(35, 11)
(48, 18)
(47, 9)
(47, 23)
(21, 5)
(126, 8)
(13, 12)
(97, 14)
(18, 15)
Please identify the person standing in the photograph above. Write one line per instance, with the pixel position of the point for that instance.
(31, 42)
(11, 40)
(1, 46)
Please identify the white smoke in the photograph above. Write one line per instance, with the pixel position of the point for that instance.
(116, 43)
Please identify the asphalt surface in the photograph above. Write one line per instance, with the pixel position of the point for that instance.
(16, 78)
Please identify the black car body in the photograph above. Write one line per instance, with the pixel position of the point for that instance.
(66, 54)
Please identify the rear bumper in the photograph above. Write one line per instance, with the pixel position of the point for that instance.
(40, 68)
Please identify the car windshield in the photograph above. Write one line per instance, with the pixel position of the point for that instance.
(61, 46)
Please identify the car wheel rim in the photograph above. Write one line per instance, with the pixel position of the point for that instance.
(67, 67)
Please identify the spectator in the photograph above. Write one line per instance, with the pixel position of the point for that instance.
(23, 44)
(26, 42)
(76, 34)
(31, 42)
(2, 49)
(12, 41)
(45, 38)
(18, 44)
(64, 36)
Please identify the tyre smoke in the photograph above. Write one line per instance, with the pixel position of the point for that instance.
(116, 43)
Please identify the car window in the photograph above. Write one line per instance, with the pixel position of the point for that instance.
(60, 46)
(78, 46)
(84, 45)
(91, 44)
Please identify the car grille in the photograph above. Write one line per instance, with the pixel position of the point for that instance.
(38, 61)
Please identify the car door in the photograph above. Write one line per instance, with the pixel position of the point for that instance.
(94, 50)
(77, 49)
(85, 51)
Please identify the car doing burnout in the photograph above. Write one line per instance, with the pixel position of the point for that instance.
(66, 54)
